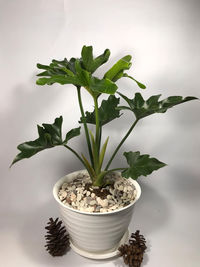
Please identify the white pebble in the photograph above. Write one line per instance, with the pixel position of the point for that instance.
(130, 188)
(93, 202)
(93, 195)
(88, 193)
(64, 194)
(114, 207)
(125, 189)
(89, 209)
(103, 202)
(65, 185)
(120, 188)
(73, 196)
(79, 196)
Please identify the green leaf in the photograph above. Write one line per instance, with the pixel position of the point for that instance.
(50, 135)
(82, 75)
(102, 153)
(71, 134)
(107, 112)
(89, 63)
(100, 60)
(62, 72)
(94, 151)
(61, 79)
(142, 86)
(143, 108)
(117, 69)
(87, 57)
(88, 167)
(102, 86)
(72, 72)
(140, 165)
(79, 72)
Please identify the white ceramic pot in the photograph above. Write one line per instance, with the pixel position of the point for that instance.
(95, 235)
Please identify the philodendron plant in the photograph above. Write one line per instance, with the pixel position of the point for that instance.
(80, 73)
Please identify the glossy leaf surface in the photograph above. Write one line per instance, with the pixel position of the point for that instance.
(50, 135)
(140, 165)
(142, 108)
(116, 72)
(107, 111)
(72, 72)
(90, 63)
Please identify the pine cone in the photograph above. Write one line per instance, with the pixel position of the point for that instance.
(133, 252)
(57, 241)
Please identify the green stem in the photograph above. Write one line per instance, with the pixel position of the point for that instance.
(85, 125)
(100, 177)
(120, 144)
(75, 153)
(97, 138)
(100, 135)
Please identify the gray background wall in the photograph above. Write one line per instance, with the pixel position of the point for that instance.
(163, 37)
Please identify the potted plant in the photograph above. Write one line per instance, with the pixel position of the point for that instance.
(97, 203)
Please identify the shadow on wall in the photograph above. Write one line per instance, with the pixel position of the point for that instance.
(29, 103)
(152, 210)
(32, 232)
(184, 184)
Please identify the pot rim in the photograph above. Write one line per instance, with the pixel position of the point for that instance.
(63, 179)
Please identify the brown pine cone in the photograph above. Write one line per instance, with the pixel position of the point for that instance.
(57, 239)
(133, 252)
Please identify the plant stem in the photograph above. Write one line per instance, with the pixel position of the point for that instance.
(97, 138)
(100, 135)
(75, 153)
(85, 125)
(120, 144)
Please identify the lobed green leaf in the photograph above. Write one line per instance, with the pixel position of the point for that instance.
(117, 69)
(90, 64)
(50, 135)
(143, 108)
(107, 112)
(140, 165)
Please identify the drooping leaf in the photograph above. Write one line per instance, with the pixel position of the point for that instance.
(107, 111)
(140, 165)
(50, 135)
(142, 108)
(116, 71)
(90, 64)
(141, 85)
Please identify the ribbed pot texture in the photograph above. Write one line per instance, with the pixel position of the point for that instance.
(95, 232)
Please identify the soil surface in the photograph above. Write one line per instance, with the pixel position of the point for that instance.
(80, 194)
